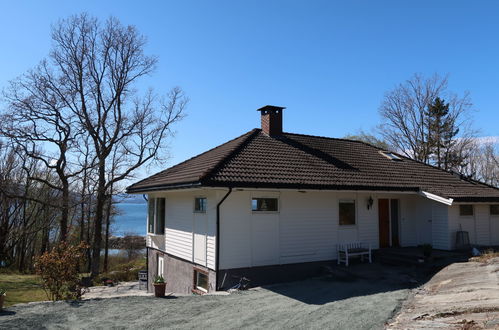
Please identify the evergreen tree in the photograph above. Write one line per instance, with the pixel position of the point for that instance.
(442, 136)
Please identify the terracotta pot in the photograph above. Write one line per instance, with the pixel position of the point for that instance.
(159, 289)
(2, 299)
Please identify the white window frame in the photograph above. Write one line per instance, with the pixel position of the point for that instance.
(155, 216)
(206, 204)
(197, 272)
(348, 200)
(265, 197)
(391, 155)
(153, 220)
(161, 266)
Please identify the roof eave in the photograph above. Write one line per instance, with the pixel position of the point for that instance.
(437, 198)
(141, 190)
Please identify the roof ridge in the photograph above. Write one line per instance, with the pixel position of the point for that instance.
(461, 176)
(251, 134)
(194, 157)
(332, 138)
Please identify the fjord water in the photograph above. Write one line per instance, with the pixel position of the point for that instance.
(131, 219)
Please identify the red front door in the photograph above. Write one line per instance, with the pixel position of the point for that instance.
(384, 222)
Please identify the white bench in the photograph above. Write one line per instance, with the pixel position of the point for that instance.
(347, 250)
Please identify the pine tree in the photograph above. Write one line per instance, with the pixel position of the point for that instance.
(442, 134)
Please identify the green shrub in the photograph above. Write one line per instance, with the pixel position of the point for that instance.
(159, 280)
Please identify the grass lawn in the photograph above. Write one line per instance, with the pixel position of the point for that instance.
(21, 288)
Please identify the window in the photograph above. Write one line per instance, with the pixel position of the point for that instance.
(494, 209)
(160, 216)
(390, 155)
(347, 212)
(264, 205)
(150, 215)
(161, 266)
(201, 280)
(466, 210)
(200, 204)
(156, 216)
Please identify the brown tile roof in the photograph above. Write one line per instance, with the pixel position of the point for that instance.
(312, 162)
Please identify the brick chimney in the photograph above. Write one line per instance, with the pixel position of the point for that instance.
(271, 119)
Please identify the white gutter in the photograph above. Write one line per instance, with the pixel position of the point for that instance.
(443, 200)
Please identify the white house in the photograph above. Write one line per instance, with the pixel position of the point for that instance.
(269, 204)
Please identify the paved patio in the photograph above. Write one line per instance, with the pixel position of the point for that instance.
(123, 289)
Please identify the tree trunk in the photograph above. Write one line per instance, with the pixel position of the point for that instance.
(108, 220)
(99, 212)
(89, 237)
(63, 223)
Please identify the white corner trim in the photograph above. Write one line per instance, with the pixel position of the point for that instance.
(446, 201)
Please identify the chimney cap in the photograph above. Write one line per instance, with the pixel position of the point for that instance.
(271, 108)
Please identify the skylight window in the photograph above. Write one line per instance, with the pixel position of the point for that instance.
(390, 155)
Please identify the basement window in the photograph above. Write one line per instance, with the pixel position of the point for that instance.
(347, 212)
(494, 209)
(200, 280)
(200, 204)
(390, 155)
(264, 205)
(466, 210)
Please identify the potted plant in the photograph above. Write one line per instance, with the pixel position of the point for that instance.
(159, 286)
(427, 248)
(2, 297)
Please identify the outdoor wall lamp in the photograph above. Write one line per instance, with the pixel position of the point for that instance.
(370, 203)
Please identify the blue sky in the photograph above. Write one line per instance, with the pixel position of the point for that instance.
(328, 62)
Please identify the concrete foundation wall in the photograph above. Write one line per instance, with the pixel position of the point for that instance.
(265, 275)
(178, 273)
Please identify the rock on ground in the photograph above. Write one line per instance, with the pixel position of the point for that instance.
(461, 296)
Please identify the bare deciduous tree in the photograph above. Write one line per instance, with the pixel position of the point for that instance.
(406, 124)
(98, 67)
(484, 163)
(37, 119)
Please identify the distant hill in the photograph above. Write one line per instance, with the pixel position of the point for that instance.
(132, 199)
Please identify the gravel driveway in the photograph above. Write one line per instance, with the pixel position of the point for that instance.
(340, 303)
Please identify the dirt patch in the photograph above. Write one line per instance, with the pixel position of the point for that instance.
(461, 296)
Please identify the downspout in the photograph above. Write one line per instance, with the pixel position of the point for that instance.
(217, 254)
(147, 267)
(147, 248)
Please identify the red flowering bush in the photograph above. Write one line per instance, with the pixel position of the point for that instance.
(58, 269)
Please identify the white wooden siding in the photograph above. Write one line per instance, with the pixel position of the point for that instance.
(494, 229)
(179, 225)
(307, 226)
(416, 222)
(465, 223)
(482, 224)
(305, 229)
(440, 226)
(188, 235)
(368, 224)
(235, 231)
(308, 230)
